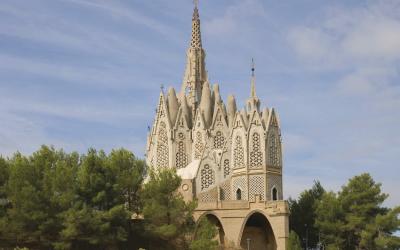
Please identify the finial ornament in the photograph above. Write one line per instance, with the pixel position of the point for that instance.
(162, 87)
(196, 3)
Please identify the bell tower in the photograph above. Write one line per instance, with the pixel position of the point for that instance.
(195, 73)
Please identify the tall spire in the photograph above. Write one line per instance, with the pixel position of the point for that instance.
(253, 79)
(196, 33)
(253, 103)
(195, 74)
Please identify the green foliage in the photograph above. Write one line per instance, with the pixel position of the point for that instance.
(34, 194)
(4, 173)
(67, 201)
(99, 219)
(294, 242)
(56, 200)
(329, 214)
(354, 218)
(205, 236)
(302, 214)
(168, 219)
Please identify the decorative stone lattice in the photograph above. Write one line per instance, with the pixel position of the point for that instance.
(196, 36)
(225, 190)
(198, 146)
(227, 168)
(241, 183)
(274, 158)
(238, 153)
(162, 147)
(256, 157)
(219, 140)
(207, 177)
(256, 186)
(274, 181)
(160, 109)
(209, 196)
(181, 156)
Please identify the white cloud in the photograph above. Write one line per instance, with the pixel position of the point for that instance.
(234, 17)
(366, 35)
(98, 111)
(296, 144)
(367, 81)
(309, 43)
(374, 39)
(20, 134)
(45, 28)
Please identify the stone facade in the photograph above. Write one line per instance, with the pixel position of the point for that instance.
(230, 160)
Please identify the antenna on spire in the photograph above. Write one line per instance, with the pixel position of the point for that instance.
(253, 84)
(253, 66)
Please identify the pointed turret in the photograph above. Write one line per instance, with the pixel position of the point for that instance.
(195, 73)
(245, 117)
(265, 116)
(231, 109)
(185, 109)
(217, 95)
(205, 104)
(172, 105)
(195, 42)
(253, 103)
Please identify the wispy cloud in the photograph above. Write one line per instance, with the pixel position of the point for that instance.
(81, 73)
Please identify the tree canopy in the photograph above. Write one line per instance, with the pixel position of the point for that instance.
(52, 199)
(354, 218)
(57, 200)
(302, 214)
(168, 219)
(350, 219)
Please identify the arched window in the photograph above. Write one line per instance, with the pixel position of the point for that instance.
(274, 151)
(181, 156)
(219, 140)
(256, 157)
(238, 153)
(238, 194)
(274, 194)
(162, 146)
(207, 177)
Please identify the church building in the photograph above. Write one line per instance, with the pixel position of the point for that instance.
(230, 160)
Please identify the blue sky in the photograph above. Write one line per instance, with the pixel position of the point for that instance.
(87, 73)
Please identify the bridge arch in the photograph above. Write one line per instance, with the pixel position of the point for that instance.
(257, 232)
(216, 221)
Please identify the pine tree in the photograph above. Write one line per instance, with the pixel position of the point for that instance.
(205, 236)
(302, 214)
(34, 198)
(329, 221)
(168, 219)
(4, 173)
(294, 242)
(355, 218)
(106, 194)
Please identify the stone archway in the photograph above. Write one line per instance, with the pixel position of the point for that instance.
(257, 233)
(215, 221)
